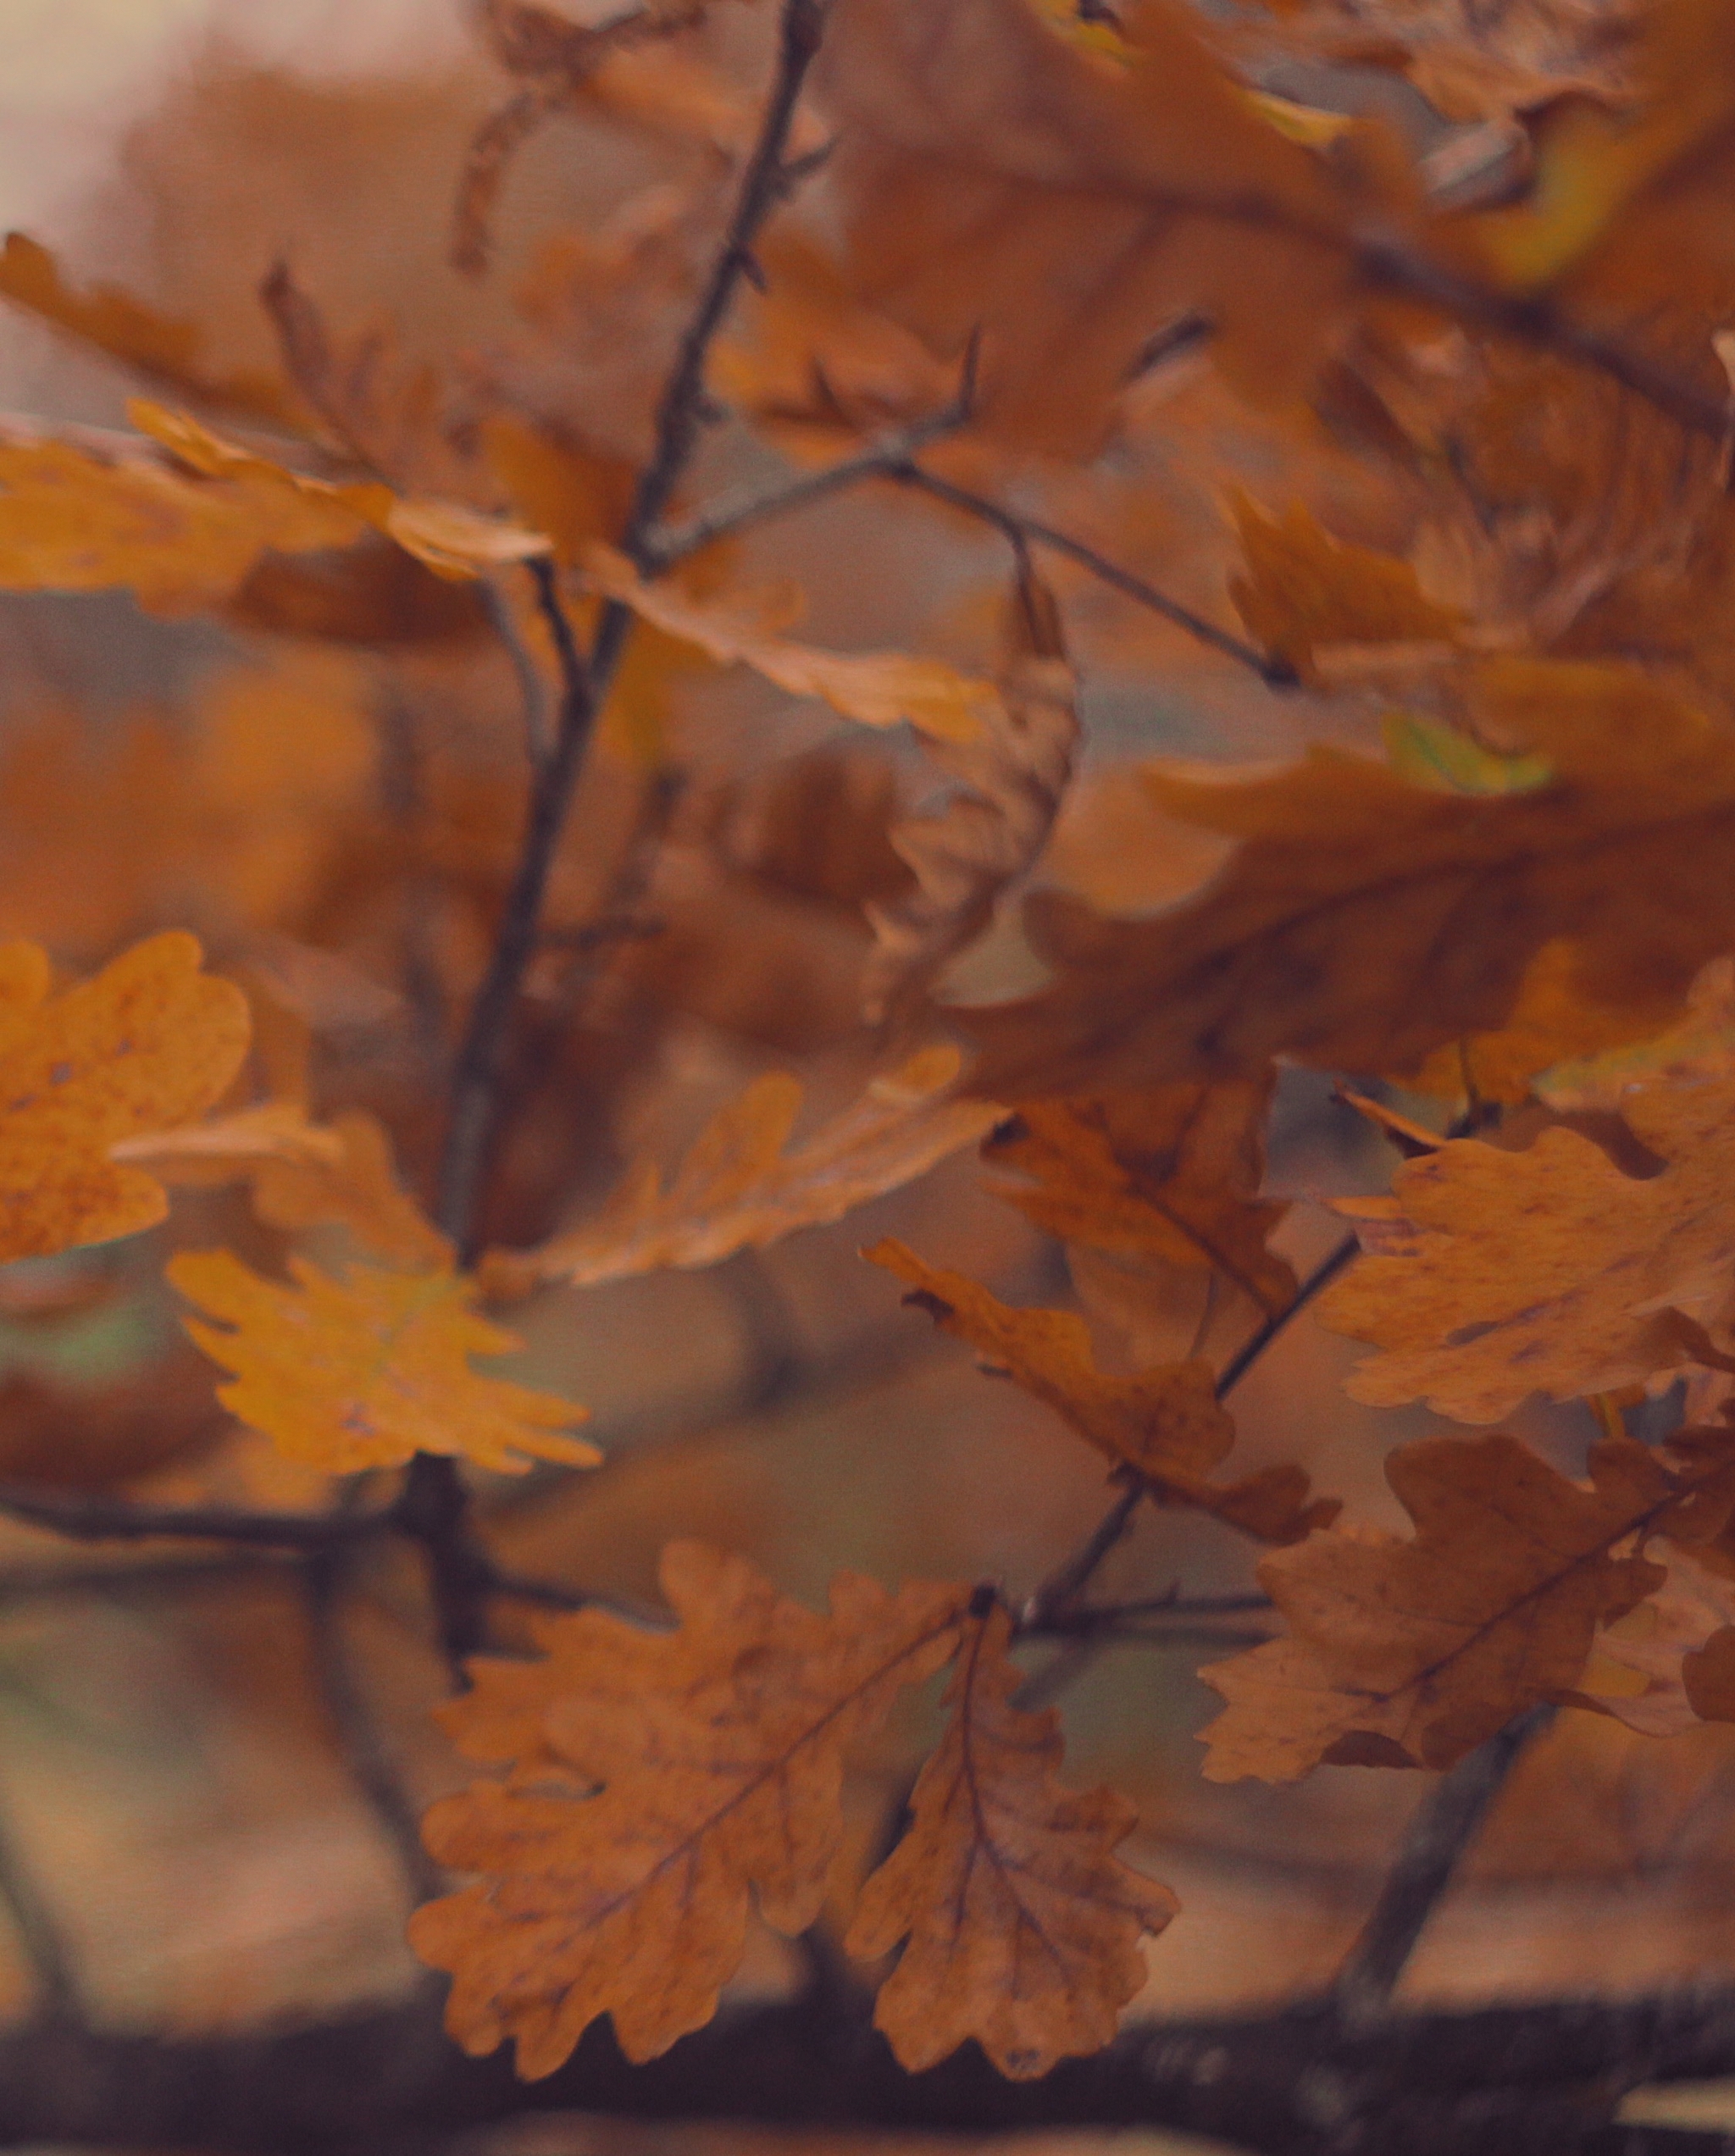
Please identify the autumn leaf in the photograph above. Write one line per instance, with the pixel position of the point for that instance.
(232, 1145)
(1011, 780)
(1020, 1926)
(368, 1369)
(1164, 1422)
(1163, 1172)
(147, 1043)
(354, 1185)
(695, 1773)
(1364, 921)
(994, 178)
(873, 688)
(1639, 1672)
(1412, 1653)
(742, 1185)
(1302, 588)
(162, 349)
(1490, 1275)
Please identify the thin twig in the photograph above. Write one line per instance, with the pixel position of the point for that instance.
(1439, 1836)
(359, 1738)
(1250, 1350)
(533, 690)
(1278, 674)
(759, 505)
(1081, 1621)
(113, 1519)
(555, 1594)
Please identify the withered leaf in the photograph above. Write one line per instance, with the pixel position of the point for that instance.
(1640, 1673)
(1365, 920)
(147, 1043)
(1021, 1925)
(742, 1185)
(1164, 1422)
(1411, 1653)
(702, 1770)
(1489, 1275)
(366, 1369)
(874, 687)
(1168, 1172)
(1012, 776)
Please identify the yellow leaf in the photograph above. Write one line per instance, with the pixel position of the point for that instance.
(147, 1043)
(673, 1774)
(370, 1369)
(1020, 1926)
(742, 1185)
(353, 1185)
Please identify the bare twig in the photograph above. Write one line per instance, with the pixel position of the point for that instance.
(1320, 1279)
(754, 506)
(113, 1519)
(1031, 531)
(1439, 1836)
(358, 1735)
(533, 690)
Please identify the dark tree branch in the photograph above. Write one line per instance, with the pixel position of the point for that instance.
(1438, 1839)
(113, 1519)
(1027, 531)
(1320, 1279)
(1505, 2081)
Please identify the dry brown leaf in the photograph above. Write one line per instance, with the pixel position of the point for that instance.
(1489, 1275)
(1013, 775)
(1020, 1926)
(1304, 588)
(694, 1772)
(1411, 1653)
(1636, 1673)
(1165, 1172)
(994, 177)
(742, 1185)
(874, 687)
(368, 1369)
(146, 1045)
(163, 351)
(1165, 1422)
(1365, 920)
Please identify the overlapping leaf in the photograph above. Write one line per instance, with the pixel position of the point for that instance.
(743, 1185)
(147, 1043)
(1365, 920)
(1020, 1926)
(1163, 1172)
(368, 1369)
(702, 1772)
(1164, 1422)
(1410, 1653)
(1489, 1275)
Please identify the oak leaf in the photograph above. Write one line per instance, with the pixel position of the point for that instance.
(354, 1185)
(1412, 1653)
(742, 1185)
(163, 351)
(701, 1771)
(1302, 588)
(366, 1369)
(1020, 1925)
(148, 1043)
(1165, 1423)
(1640, 1672)
(1163, 1172)
(1365, 920)
(874, 687)
(1013, 778)
(1489, 1275)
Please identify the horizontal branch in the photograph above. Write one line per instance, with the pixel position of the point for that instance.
(113, 1519)
(1509, 2081)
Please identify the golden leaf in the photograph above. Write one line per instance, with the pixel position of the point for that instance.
(1164, 1422)
(1365, 920)
(1411, 1653)
(742, 1185)
(368, 1370)
(1021, 1925)
(353, 1185)
(1165, 1172)
(702, 1769)
(148, 1043)
(874, 687)
(232, 1145)
(1489, 1275)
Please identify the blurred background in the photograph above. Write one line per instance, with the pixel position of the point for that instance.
(335, 813)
